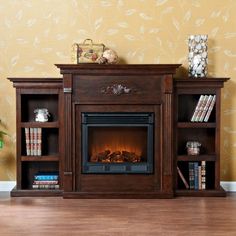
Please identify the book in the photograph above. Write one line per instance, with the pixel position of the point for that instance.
(39, 141)
(182, 177)
(211, 106)
(191, 175)
(27, 141)
(31, 141)
(199, 177)
(203, 104)
(197, 108)
(45, 182)
(203, 174)
(205, 109)
(45, 186)
(46, 176)
(196, 175)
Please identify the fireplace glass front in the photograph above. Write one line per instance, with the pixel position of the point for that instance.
(117, 143)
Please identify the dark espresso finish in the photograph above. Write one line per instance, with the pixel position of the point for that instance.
(187, 93)
(32, 93)
(118, 89)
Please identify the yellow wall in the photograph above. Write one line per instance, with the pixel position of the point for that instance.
(36, 34)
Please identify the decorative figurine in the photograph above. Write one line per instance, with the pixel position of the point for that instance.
(41, 114)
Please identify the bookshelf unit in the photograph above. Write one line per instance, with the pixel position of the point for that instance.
(33, 93)
(187, 94)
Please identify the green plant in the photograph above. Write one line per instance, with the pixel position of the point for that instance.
(2, 134)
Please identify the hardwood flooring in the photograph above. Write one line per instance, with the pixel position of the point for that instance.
(107, 217)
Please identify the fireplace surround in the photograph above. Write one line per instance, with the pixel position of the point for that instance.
(118, 127)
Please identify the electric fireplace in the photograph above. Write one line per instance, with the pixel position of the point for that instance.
(117, 143)
(118, 128)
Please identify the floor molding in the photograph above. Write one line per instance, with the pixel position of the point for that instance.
(229, 186)
(7, 185)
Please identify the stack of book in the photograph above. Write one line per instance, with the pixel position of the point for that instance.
(197, 176)
(203, 108)
(33, 140)
(46, 180)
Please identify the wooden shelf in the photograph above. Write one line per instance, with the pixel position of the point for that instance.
(36, 192)
(40, 158)
(54, 124)
(200, 193)
(196, 125)
(196, 158)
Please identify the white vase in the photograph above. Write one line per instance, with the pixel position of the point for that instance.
(197, 57)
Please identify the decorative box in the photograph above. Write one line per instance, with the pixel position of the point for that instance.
(86, 52)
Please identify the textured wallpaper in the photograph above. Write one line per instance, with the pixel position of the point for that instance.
(36, 34)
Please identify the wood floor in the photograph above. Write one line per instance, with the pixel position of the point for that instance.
(103, 217)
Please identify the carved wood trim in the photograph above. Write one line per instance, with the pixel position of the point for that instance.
(116, 89)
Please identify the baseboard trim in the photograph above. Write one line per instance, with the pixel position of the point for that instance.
(7, 185)
(228, 186)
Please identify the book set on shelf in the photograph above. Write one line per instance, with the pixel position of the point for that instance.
(46, 180)
(203, 108)
(33, 141)
(197, 176)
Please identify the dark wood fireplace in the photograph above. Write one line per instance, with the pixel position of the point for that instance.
(118, 130)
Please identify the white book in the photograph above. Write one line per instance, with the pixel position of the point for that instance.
(203, 104)
(197, 108)
(205, 109)
(210, 108)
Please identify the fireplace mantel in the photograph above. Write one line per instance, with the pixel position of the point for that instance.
(92, 88)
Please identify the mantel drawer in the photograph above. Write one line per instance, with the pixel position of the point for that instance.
(117, 89)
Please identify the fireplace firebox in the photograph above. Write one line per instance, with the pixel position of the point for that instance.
(117, 143)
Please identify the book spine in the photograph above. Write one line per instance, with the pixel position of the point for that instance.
(46, 177)
(210, 109)
(182, 177)
(205, 109)
(31, 141)
(203, 168)
(46, 182)
(35, 141)
(199, 177)
(27, 141)
(45, 186)
(39, 141)
(191, 175)
(197, 108)
(196, 175)
(201, 108)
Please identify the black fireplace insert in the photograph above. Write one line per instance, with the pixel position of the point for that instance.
(117, 143)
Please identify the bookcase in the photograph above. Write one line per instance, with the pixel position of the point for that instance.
(206, 180)
(33, 93)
